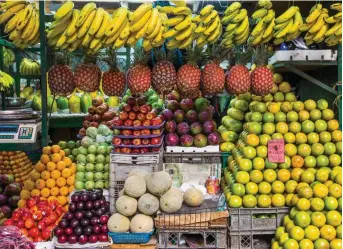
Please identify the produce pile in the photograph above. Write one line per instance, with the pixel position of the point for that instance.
(29, 67)
(93, 158)
(147, 193)
(86, 219)
(12, 237)
(138, 128)
(15, 165)
(53, 177)
(9, 197)
(37, 218)
(190, 123)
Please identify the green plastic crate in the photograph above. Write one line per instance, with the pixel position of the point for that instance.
(225, 156)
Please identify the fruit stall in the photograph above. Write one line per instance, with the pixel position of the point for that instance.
(171, 124)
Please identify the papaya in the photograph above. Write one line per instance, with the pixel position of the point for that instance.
(52, 105)
(112, 101)
(37, 103)
(62, 104)
(74, 104)
(86, 102)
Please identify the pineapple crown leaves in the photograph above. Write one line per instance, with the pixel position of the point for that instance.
(61, 58)
(111, 59)
(261, 55)
(217, 54)
(140, 56)
(196, 57)
(163, 55)
(240, 56)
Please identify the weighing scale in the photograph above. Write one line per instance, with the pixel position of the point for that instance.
(20, 126)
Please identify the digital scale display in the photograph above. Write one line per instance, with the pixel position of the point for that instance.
(9, 129)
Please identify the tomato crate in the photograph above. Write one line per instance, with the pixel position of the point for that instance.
(199, 239)
(247, 219)
(249, 241)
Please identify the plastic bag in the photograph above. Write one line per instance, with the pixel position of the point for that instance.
(92, 132)
(11, 238)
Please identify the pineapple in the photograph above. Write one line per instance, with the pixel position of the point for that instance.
(213, 76)
(87, 75)
(262, 77)
(60, 76)
(237, 79)
(139, 76)
(163, 73)
(113, 80)
(189, 75)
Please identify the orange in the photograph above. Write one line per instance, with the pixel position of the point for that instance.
(278, 187)
(288, 199)
(55, 191)
(262, 151)
(55, 174)
(324, 137)
(289, 138)
(306, 243)
(283, 175)
(297, 161)
(335, 160)
(302, 219)
(71, 188)
(249, 201)
(307, 176)
(291, 186)
(67, 161)
(60, 182)
(312, 233)
(249, 152)
(264, 188)
(297, 233)
(333, 125)
(62, 200)
(317, 204)
(35, 192)
(50, 166)
(241, 177)
(21, 203)
(62, 153)
(290, 150)
(56, 157)
(71, 180)
(300, 138)
(251, 188)
(44, 159)
(320, 190)
(328, 232)
(45, 175)
(335, 190)
(312, 138)
(256, 176)
(45, 192)
(73, 168)
(303, 204)
(64, 191)
(281, 127)
(40, 167)
(328, 114)
(252, 140)
(336, 243)
(298, 106)
(47, 150)
(290, 244)
(264, 201)
(55, 149)
(304, 150)
(268, 128)
(301, 185)
(303, 115)
(50, 183)
(317, 149)
(333, 218)
(60, 165)
(310, 104)
(318, 219)
(307, 126)
(269, 175)
(278, 200)
(40, 183)
(315, 114)
(294, 127)
(286, 164)
(66, 173)
(305, 192)
(296, 173)
(264, 138)
(52, 198)
(336, 136)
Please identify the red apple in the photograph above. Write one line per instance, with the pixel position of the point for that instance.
(116, 141)
(144, 150)
(156, 132)
(128, 122)
(117, 121)
(145, 132)
(89, 117)
(94, 124)
(132, 115)
(140, 116)
(151, 115)
(135, 108)
(126, 141)
(125, 150)
(155, 140)
(96, 118)
(137, 141)
(127, 108)
(123, 115)
(126, 132)
(117, 150)
(135, 151)
(144, 109)
(137, 123)
(146, 122)
(156, 121)
(136, 133)
(145, 141)
(149, 108)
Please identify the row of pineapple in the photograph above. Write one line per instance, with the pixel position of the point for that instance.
(94, 28)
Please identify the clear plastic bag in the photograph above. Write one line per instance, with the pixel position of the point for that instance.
(11, 238)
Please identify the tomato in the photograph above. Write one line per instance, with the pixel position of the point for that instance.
(26, 215)
(20, 224)
(29, 223)
(46, 233)
(33, 209)
(33, 232)
(8, 222)
(41, 225)
(59, 210)
(16, 215)
(37, 239)
(30, 202)
(24, 231)
(37, 215)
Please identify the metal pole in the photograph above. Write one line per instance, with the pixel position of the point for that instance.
(17, 72)
(45, 128)
(339, 64)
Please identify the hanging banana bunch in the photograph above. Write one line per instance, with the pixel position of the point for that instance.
(264, 17)
(6, 81)
(21, 21)
(179, 28)
(287, 25)
(8, 56)
(333, 34)
(208, 26)
(29, 67)
(237, 29)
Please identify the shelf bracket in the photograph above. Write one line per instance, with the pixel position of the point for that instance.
(311, 79)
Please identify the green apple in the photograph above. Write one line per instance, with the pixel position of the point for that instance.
(97, 176)
(89, 185)
(90, 167)
(89, 176)
(99, 167)
(79, 185)
(80, 176)
(80, 167)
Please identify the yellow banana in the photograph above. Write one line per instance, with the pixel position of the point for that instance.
(166, 9)
(313, 16)
(338, 16)
(131, 41)
(288, 14)
(255, 40)
(138, 25)
(336, 6)
(25, 17)
(278, 41)
(184, 34)
(157, 44)
(333, 29)
(283, 32)
(5, 16)
(153, 21)
(86, 40)
(309, 36)
(332, 40)
(201, 39)
(182, 11)
(232, 8)
(120, 42)
(199, 18)
(282, 25)
(305, 26)
(96, 23)
(212, 26)
(125, 32)
(179, 3)
(316, 6)
(72, 38)
(185, 43)
(35, 31)
(270, 16)
(267, 38)
(159, 38)
(240, 16)
(297, 22)
(142, 31)
(15, 35)
(111, 39)
(54, 32)
(140, 12)
(117, 21)
(171, 22)
(156, 30)
(84, 13)
(260, 13)
(258, 28)
(9, 4)
(215, 35)
(64, 10)
(318, 24)
(170, 33)
(75, 45)
(62, 40)
(200, 29)
(184, 24)
(12, 23)
(64, 21)
(321, 33)
(105, 23)
(72, 26)
(226, 19)
(264, 3)
(291, 37)
(206, 10)
(86, 24)
(269, 29)
(172, 44)
(29, 26)
(329, 20)
(242, 38)
(233, 26)
(210, 17)
(243, 34)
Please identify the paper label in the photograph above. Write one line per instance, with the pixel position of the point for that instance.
(276, 151)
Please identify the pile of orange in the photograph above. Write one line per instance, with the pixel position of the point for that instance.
(53, 177)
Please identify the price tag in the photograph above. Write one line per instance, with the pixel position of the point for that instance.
(276, 151)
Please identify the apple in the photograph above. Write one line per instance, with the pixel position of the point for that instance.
(145, 132)
(146, 122)
(155, 150)
(100, 158)
(89, 185)
(144, 150)
(117, 150)
(150, 115)
(135, 108)
(155, 140)
(89, 176)
(137, 123)
(144, 109)
(116, 141)
(97, 176)
(89, 117)
(94, 124)
(99, 167)
(90, 167)
(156, 132)
(125, 150)
(128, 122)
(99, 184)
(86, 124)
(126, 108)
(123, 116)
(79, 185)
(80, 168)
(145, 141)
(116, 132)
(156, 121)
(136, 133)
(117, 121)
(90, 158)
(105, 176)
(127, 132)
(80, 176)
(137, 141)
(126, 141)
(132, 115)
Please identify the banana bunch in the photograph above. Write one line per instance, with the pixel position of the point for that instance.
(29, 67)
(265, 22)
(237, 29)
(209, 27)
(179, 28)
(287, 25)
(22, 22)
(333, 34)
(315, 25)
(6, 81)
(8, 56)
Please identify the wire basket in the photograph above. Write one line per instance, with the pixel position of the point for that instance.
(130, 238)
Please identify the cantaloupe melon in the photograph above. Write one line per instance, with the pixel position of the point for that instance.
(193, 197)
(171, 201)
(118, 223)
(135, 186)
(141, 223)
(138, 172)
(148, 204)
(158, 183)
(126, 205)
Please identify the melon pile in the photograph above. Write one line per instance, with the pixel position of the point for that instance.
(310, 179)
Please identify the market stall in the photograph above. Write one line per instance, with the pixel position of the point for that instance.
(178, 124)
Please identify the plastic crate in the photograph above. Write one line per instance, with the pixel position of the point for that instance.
(249, 241)
(114, 189)
(208, 238)
(225, 156)
(120, 171)
(137, 159)
(242, 220)
(192, 157)
(130, 238)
